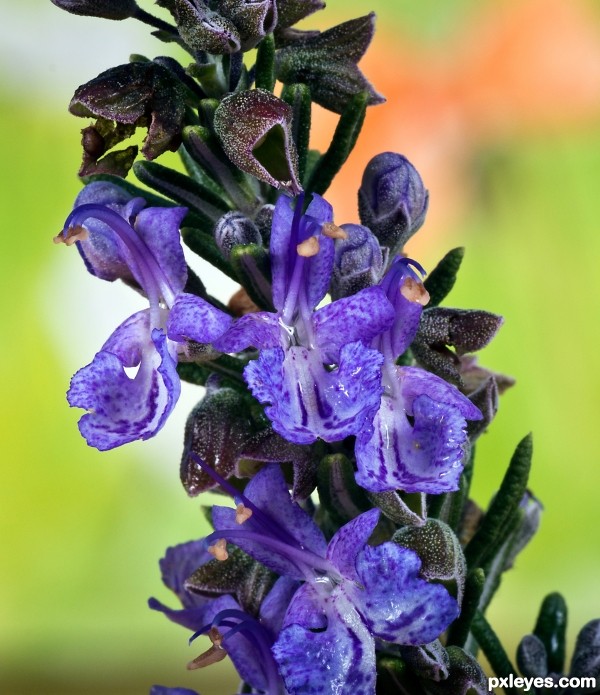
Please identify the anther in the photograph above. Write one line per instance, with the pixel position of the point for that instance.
(333, 231)
(71, 235)
(242, 513)
(219, 550)
(309, 247)
(414, 291)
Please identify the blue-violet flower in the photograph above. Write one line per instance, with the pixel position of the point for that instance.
(352, 593)
(418, 435)
(119, 237)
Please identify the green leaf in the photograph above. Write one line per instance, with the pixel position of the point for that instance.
(492, 532)
(442, 278)
(265, 64)
(493, 649)
(183, 189)
(298, 97)
(459, 630)
(551, 628)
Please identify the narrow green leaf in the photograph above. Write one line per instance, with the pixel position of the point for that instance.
(442, 278)
(298, 97)
(338, 491)
(265, 64)
(181, 188)
(342, 144)
(459, 630)
(551, 628)
(493, 649)
(502, 508)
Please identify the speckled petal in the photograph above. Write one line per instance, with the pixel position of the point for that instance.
(159, 228)
(306, 401)
(164, 690)
(123, 409)
(359, 317)
(337, 661)
(276, 602)
(422, 457)
(191, 618)
(102, 254)
(418, 382)
(193, 318)
(349, 540)
(394, 602)
(260, 330)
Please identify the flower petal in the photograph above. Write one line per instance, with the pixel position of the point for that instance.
(417, 382)
(359, 317)
(179, 562)
(193, 318)
(123, 409)
(340, 659)
(260, 330)
(159, 228)
(395, 603)
(350, 540)
(307, 401)
(422, 457)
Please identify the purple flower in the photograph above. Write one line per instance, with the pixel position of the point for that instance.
(315, 372)
(119, 237)
(233, 632)
(352, 593)
(418, 435)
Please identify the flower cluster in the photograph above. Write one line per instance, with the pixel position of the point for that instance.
(341, 401)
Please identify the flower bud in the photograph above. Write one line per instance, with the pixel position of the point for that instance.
(253, 20)
(465, 678)
(201, 28)
(392, 199)
(107, 9)
(358, 263)
(255, 129)
(532, 658)
(291, 11)
(440, 552)
(586, 658)
(235, 229)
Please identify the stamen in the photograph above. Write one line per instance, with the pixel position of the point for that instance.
(332, 231)
(71, 235)
(309, 247)
(212, 655)
(219, 550)
(242, 513)
(414, 291)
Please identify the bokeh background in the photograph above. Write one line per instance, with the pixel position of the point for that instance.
(498, 105)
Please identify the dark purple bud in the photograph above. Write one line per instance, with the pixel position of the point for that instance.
(532, 658)
(441, 554)
(430, 661)
(234, 229)
(359, 261)
(291, 11)
(586, 658)
(136, 94)
(327, 63)
(392, 200)
(255, 129)
(215, 430)
(108, 9)
(201, 28)
(264, 220)
(97, 140)
(253, 19)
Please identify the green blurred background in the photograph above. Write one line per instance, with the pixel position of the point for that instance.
(497, 104)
